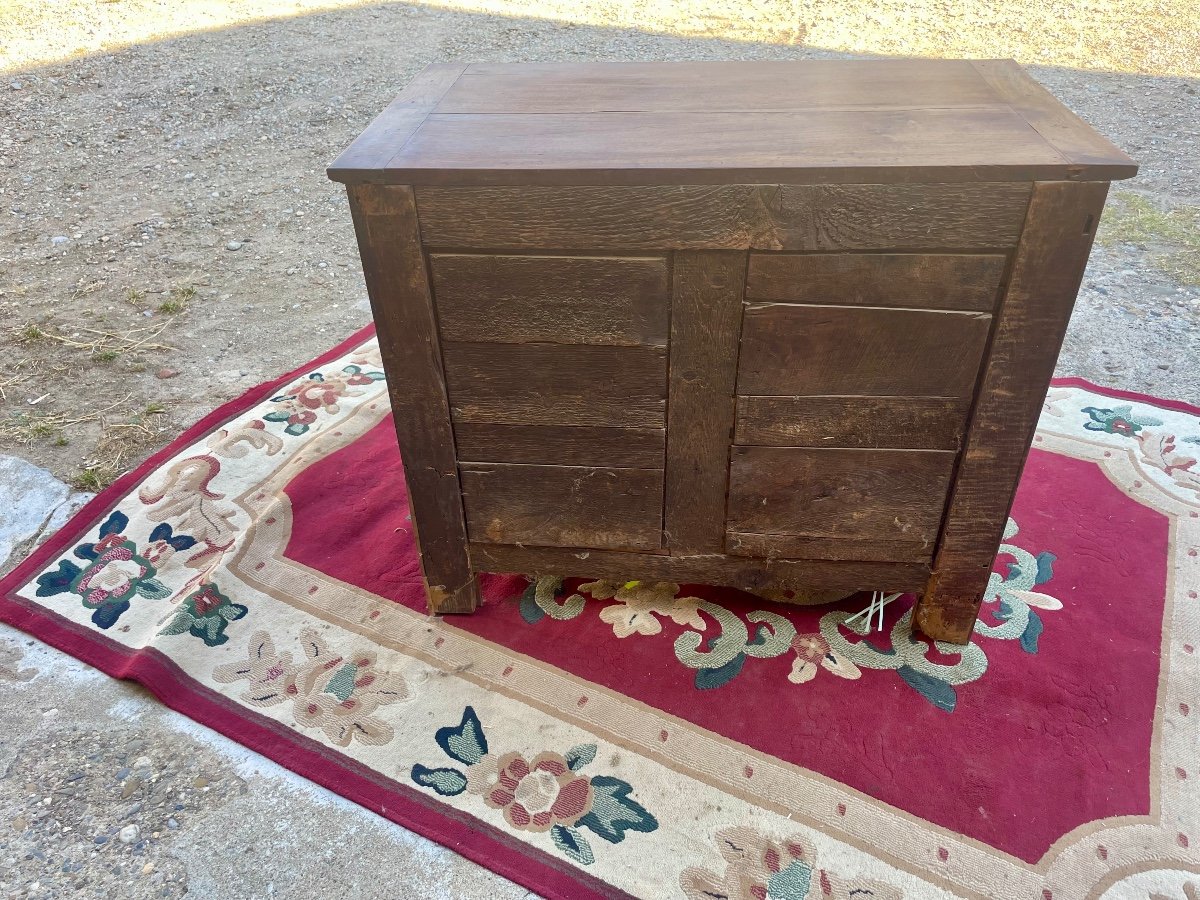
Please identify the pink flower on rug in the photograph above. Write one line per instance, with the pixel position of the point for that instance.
(812, 650)
(536, 794)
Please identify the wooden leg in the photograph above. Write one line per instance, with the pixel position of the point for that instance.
(385, 220)
(465, 599)
(947, 609)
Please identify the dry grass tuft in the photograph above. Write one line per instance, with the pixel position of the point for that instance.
(1172, 233)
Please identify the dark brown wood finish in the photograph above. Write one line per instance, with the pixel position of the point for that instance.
(914, 423)
(793, 350)
(747, 573)
(386, 136)
(556, 299)
(914, 280)
(564, 505)
(556, 384)
(1032, 320)
(386, 223)
(769, 324)
(839, 494)
(726, 217)
(705, 321)
(773, 122)
(563, 445)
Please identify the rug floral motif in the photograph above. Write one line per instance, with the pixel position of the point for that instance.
(627, 738)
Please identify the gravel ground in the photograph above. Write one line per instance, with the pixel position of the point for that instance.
(168, 239)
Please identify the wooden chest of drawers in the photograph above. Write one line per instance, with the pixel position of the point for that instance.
(757, 324)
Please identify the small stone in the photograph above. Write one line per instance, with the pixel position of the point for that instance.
(50, 713)
(164, 374)
(100, 839)
(129, 834)
(148, 868)
(143, 762)
(130, 787)
(16, 85)
(1166, 367)
(59, 239)
(200, 782)
(123, 773)
(172, 823)
(189, 176)
(234, 245)
(19, 823)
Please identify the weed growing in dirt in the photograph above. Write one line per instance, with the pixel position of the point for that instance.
(1174, 233)
(178, 300)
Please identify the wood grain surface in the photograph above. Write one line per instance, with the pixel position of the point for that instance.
(386, 224)
(914, 280)
(1031, 323)
(557, 299)
(747, 573)
(914, 423)
(706, 318)
(841, 494)
(796, 350)
(564, 505)
(725, 217)
(561, 445)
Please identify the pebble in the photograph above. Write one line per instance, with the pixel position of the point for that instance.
(143, 762)
(172, 823)
(123, 773)
(100, 839)
(59, 239)
(164, 374)
(234, 245)
(129, 834)
(15, 85)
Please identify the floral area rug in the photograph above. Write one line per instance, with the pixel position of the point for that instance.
(601, 739)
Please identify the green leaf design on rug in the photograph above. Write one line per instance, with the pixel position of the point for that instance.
(573, 844)
(466, 742)
(205, 613)
(614, 812)
(447, 782)
(578, 757)
(932, 689)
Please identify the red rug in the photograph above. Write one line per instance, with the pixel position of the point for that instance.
(603, 739)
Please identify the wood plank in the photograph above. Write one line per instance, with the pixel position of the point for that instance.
(549, 384)
(564, 505)
(900, 216)
(735, 571)
(839, 494)
(1092, 155)
(913, 423)
(559, 299)
(771, 546)
(724, 217)
(1032, 320)
(386, 225)
(729, 86)
(706, 319)
(914, 280)
(561, 445)
(389, 132)
(672, 144)
(795, 350)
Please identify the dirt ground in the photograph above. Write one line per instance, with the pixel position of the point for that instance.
(169, 238)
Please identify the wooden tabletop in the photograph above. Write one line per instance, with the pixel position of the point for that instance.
(808, 121)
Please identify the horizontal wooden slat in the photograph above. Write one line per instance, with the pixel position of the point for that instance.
(913, 423)
(729, 86)
(561, 445)
(563, 505)
(725, 217)
(736, 571)
(559, 299)
(914, 280)
(548, 384)
(795, 350)
(840, 494)
(673, 143)
(793, 546)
